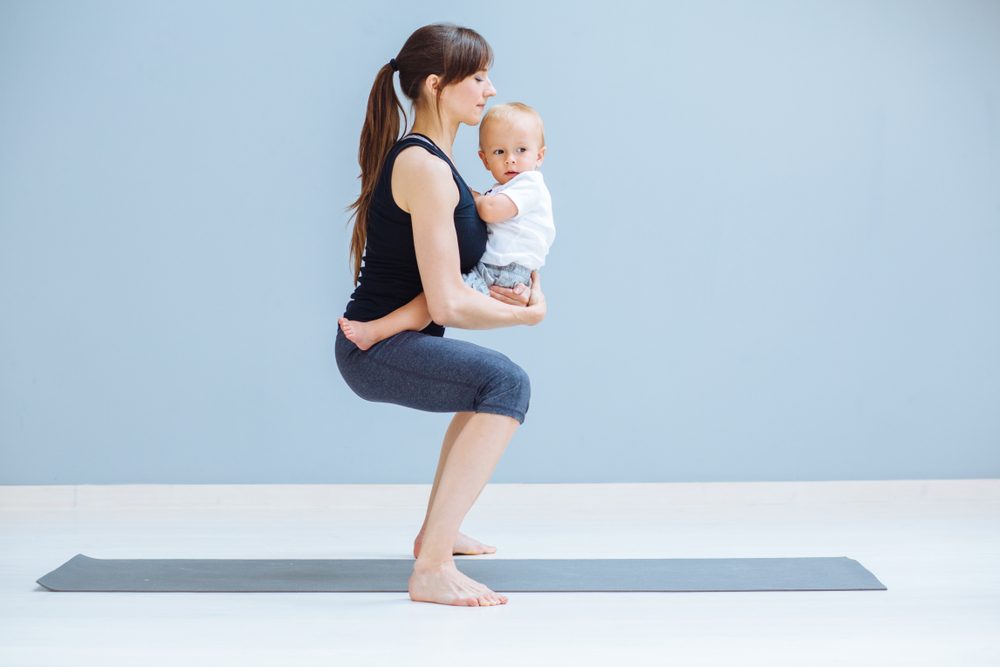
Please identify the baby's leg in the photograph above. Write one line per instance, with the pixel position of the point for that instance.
(478, 279)
(414, 316)
(509, 276)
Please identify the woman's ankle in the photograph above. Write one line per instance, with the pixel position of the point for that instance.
(433, 563)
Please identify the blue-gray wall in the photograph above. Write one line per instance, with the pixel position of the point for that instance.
(778, 253)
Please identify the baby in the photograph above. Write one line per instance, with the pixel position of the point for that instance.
(518, 209)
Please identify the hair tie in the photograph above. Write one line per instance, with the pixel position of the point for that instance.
(393, 65)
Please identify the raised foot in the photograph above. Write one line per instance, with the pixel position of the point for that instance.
(464, 546)
(359, 333)
(444, 584)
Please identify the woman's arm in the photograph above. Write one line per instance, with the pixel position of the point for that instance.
(423, 186)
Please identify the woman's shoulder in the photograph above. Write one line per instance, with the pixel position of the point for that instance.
(420, 177)
(419, 158)
(418, 168)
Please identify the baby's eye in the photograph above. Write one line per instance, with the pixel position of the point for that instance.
(498, 152)
(522, 150)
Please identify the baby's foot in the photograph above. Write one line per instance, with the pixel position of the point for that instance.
(359, 333)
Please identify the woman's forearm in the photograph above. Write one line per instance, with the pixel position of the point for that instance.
(468, 309)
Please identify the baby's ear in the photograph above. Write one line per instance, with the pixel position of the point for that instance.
(541, 157)
(482, 156)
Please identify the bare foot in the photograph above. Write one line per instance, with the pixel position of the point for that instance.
(359, 333)
(444, 584)
(464, 546)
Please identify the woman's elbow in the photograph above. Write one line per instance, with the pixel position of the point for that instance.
(442, 311)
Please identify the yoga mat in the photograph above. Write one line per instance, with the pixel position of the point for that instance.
(506, 575)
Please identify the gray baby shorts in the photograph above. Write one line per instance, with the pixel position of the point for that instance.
(483, 275)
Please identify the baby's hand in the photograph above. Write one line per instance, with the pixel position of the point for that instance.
(516, 296)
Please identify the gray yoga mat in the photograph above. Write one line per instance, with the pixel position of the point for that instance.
(507, 575)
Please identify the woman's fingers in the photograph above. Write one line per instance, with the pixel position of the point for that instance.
(520, 295)
(502, 299)
(516, 296)
(502, 294)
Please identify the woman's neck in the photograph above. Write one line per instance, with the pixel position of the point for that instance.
(438, 129)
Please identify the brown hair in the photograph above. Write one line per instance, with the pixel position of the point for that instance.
(449, 51)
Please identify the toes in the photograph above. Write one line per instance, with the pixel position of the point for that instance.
(478, 550)
(493, 598)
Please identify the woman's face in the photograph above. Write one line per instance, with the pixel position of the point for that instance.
(465, 101)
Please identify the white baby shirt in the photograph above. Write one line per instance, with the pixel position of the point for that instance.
(525, 238)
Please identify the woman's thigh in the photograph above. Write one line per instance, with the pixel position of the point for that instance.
(435, 374)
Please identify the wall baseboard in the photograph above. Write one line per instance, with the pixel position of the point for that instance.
(497, 495)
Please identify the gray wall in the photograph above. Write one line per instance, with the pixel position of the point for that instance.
(778, 253)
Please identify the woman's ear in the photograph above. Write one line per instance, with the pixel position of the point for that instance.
(431, 84)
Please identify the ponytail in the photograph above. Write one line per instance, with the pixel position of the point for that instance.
(380, 132)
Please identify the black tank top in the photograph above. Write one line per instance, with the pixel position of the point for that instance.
(389, 277)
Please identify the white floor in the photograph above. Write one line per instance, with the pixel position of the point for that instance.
(939, 559)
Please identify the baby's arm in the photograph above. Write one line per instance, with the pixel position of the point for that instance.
(494, 208)
(414, 316)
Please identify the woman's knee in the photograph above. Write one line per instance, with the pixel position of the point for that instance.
(520, 385)
(508, 390)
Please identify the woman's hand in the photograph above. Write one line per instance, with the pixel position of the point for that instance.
(536, 300)
(533, 299)
(516, 296)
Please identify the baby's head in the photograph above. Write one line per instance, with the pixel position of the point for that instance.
(511, 140)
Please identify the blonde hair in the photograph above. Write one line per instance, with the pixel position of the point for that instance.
(509, 112)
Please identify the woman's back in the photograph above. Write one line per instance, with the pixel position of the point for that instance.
(390, 277)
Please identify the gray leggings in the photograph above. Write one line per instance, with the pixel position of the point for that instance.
(435, 374)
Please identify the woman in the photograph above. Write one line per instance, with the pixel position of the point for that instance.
(416, 226)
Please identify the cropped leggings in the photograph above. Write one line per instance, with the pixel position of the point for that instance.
(435, 374)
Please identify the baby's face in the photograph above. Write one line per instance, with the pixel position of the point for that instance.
(511, 147)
